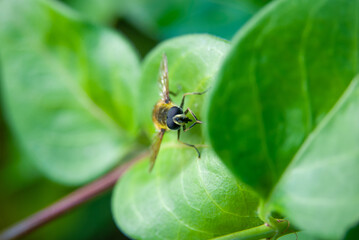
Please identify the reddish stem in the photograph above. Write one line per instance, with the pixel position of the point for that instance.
(69, 202)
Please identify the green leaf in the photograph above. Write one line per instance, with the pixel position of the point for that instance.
(102, 11)
(165, 19)
(286, 70)
(182, 198)
(193, 61)
(299, 235)
(289, 112)
(253, 5)
(68, 89)
(319, 191)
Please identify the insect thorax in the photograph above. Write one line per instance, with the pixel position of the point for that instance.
(159, 114)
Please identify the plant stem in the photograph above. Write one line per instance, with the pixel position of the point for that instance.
(260, 232)
(69, 202)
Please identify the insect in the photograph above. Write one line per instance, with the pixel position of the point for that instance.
(168, 116)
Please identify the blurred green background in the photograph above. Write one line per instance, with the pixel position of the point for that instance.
(23, 190)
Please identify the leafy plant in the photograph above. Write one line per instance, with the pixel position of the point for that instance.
(295, 99)
(75, 80)
(280, 133)
(176, 17)
(185, 193)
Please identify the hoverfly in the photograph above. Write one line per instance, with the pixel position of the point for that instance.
(168, 116)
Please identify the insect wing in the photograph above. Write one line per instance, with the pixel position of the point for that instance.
(163, 80)
(155, 148)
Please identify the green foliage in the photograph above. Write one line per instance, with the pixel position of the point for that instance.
(185, 193)
(322, 181)
(193, 61)
(164, 19)
(280, 84)
(288, 122)
(24, 191)
(68, 89)
(184, 197)
(101, 11)
(281, 113)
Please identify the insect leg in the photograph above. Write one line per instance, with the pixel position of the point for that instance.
(173, 93)
(187, 144)
(191, 93)
(194, 116)
(177, 92)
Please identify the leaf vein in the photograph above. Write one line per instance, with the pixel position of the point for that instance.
(260, 118)
(172, 213)
(209, 196)
(79, 94)
(241, 190)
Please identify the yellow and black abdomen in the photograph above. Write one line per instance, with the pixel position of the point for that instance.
(159, 114)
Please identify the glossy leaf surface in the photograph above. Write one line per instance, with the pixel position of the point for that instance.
(68, 88)
(288, 67)
(288, 85)
(319, 191)
(182, 198)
